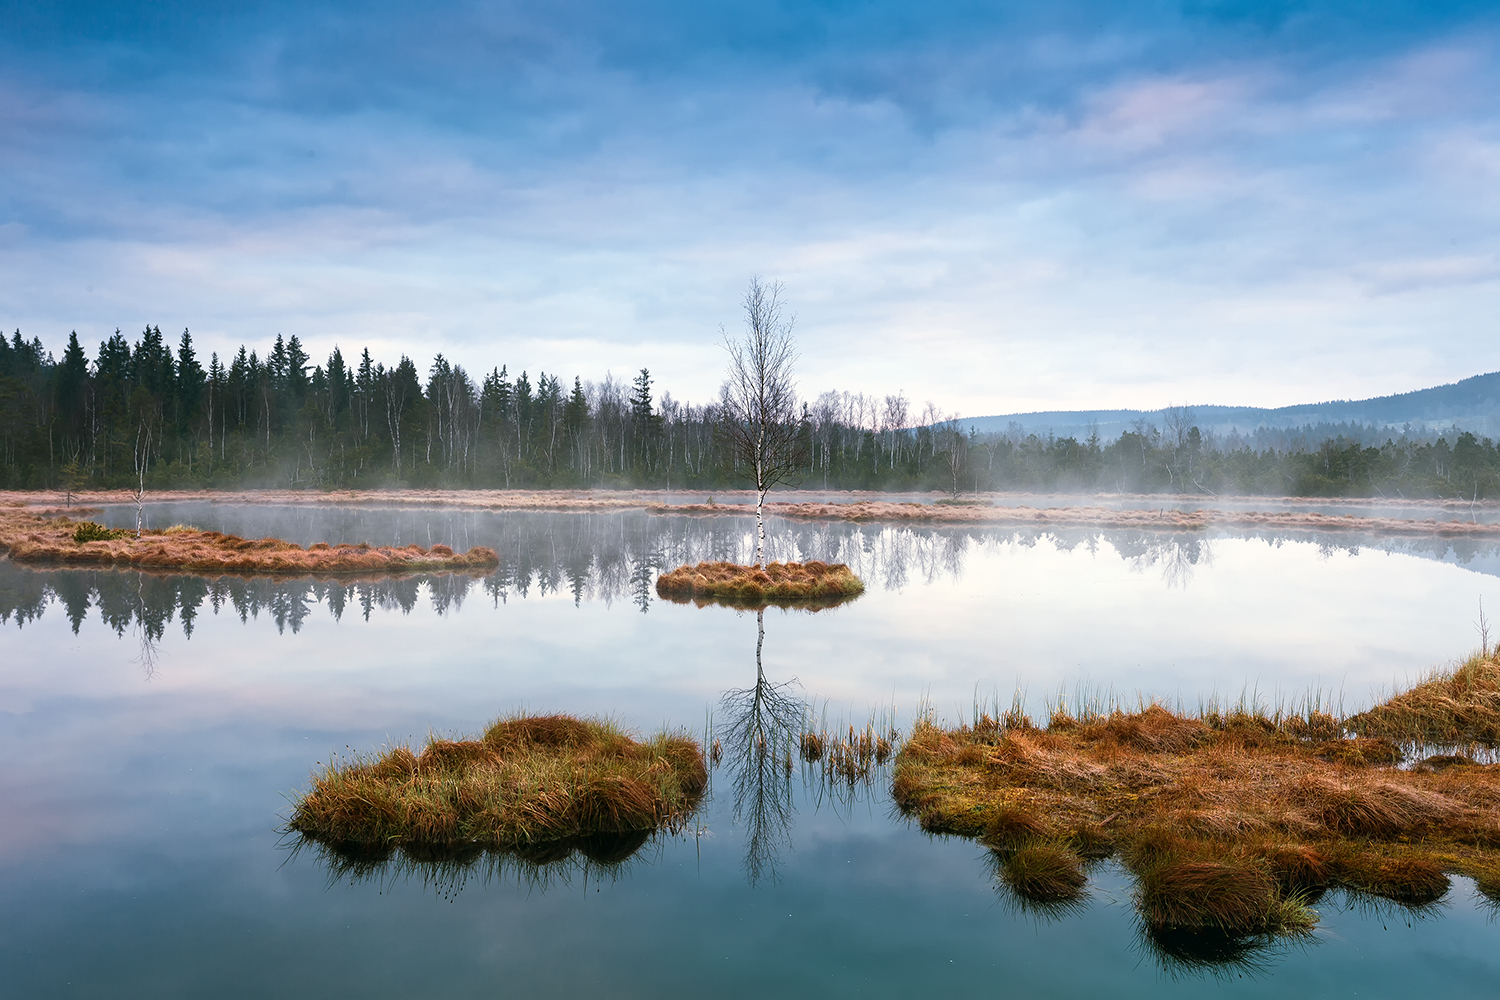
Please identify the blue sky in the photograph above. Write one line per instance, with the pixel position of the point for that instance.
(994, 207)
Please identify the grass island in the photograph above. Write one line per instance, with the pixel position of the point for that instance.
(528, 782)
(1232, 822)
(51, 536)
(814, 582)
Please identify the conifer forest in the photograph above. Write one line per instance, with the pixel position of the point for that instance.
(156, 413)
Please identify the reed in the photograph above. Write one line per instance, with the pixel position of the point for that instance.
(760, 585)
(29, 537)
(527, 782)
(846, 754)
(1231, 819)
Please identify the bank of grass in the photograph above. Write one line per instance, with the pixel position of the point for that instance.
(536, 785)
(1231, 821)
(813, 582)
(30, 537)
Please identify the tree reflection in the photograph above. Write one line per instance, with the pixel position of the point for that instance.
(617, 557)
(760, 740)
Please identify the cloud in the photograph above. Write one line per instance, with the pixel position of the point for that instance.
(994, 209)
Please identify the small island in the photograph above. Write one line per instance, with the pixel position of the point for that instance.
(28, 536)
(527, 781)
(1234, 821)
(813, 581)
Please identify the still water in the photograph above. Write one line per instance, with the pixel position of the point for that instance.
(155, 728)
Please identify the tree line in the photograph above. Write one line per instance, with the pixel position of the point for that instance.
(147, 410)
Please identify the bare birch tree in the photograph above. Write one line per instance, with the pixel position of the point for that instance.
(758, 400)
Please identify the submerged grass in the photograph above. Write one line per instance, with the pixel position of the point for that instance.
(29, 537)
(530, 784)
(1232, 820)
(812, 582)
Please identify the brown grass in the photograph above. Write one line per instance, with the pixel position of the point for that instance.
(1454, 708)
(1154, 517)
(1043, 871)
(31, 538)
(1151, 513)
(1230, 822)
(528, 782)
(851, 756)
(775, 583)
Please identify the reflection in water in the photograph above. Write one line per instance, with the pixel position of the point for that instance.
(451, 869)
(1196, 952)
(618, 557)
(759, 739)
(127, 600)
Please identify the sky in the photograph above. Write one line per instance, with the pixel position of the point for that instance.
(995, 207)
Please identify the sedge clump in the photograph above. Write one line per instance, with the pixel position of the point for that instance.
(1231, 822)
(28, 537)
(812, 582)
(527, 781)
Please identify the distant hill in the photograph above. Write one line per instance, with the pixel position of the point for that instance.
(1472, 404)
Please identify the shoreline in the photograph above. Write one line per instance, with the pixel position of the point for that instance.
(47, 537)
(1150, 512)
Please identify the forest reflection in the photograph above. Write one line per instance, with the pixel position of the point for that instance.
(617, 557)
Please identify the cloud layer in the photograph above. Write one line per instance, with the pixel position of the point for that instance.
(994, 207)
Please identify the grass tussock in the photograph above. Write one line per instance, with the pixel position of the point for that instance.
(31, 538)
(810, 582)
(1045, 873)
(530, 783)
(1460, 707)
(1230, 820)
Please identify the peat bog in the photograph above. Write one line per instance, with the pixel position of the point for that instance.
(1231, 821)
(1349, 867)
(52, 537)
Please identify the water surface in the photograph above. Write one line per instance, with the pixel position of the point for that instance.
(157, 724)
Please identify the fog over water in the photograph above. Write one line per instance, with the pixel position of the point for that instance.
(165, 721)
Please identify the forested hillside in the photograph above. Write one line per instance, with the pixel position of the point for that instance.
(150, 411)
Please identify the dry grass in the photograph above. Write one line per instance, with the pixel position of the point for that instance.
(1453, 708)
(532, 784)
(851, 756)
(32, 538)
(1230, 821)
(1043, 872)
(813, 582)
(1152, 516)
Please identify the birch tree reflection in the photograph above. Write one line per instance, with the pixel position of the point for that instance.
(759, 743)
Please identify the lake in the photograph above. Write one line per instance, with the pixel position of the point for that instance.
(157, 726)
